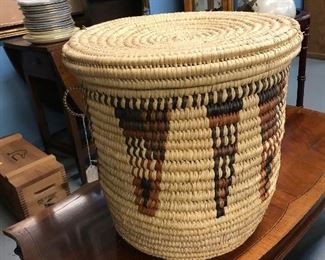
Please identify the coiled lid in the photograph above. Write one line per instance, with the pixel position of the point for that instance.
(182, 50)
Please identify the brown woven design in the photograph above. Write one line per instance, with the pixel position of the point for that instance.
(187, 111)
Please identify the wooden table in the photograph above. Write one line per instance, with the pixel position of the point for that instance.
(40, 65)
(42, 68)
(80, 227)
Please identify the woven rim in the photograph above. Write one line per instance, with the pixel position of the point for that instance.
(182, 49)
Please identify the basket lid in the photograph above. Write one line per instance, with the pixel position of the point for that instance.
(182, 50)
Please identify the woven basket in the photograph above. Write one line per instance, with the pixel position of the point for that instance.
(187, 112)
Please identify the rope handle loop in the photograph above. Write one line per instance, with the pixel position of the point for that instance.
(65, 100)
(81, 115)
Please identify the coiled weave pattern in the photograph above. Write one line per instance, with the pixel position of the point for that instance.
(187, 112)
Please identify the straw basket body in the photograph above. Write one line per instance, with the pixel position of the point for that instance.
(187, 111)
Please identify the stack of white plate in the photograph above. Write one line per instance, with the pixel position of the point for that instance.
(47, 21)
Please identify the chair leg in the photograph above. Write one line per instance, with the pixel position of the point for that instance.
(302, 62)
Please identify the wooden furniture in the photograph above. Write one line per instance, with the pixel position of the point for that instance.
(100, 11)
(317, 28)
(303, 18)
(11, 19)
(30, 180)
(188, 5)
(60, 233)
(226, 5)
(41, 67)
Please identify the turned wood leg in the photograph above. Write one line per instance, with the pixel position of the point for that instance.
(304, 25)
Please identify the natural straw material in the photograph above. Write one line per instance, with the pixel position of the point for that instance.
(187, 111)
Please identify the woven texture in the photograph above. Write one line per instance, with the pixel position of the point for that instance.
(187, 112)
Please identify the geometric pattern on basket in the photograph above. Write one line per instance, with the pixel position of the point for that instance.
(145, 124)
(141, 129)
(148, 149)
(223, 119)
(270, 102)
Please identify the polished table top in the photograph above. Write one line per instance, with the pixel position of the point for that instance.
(80, 226)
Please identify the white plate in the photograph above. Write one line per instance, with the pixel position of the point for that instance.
(38, 2)
(50, 38)
(52, 31)
(48, 13)
(45, 8)
(49, 24)
(46, 19)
